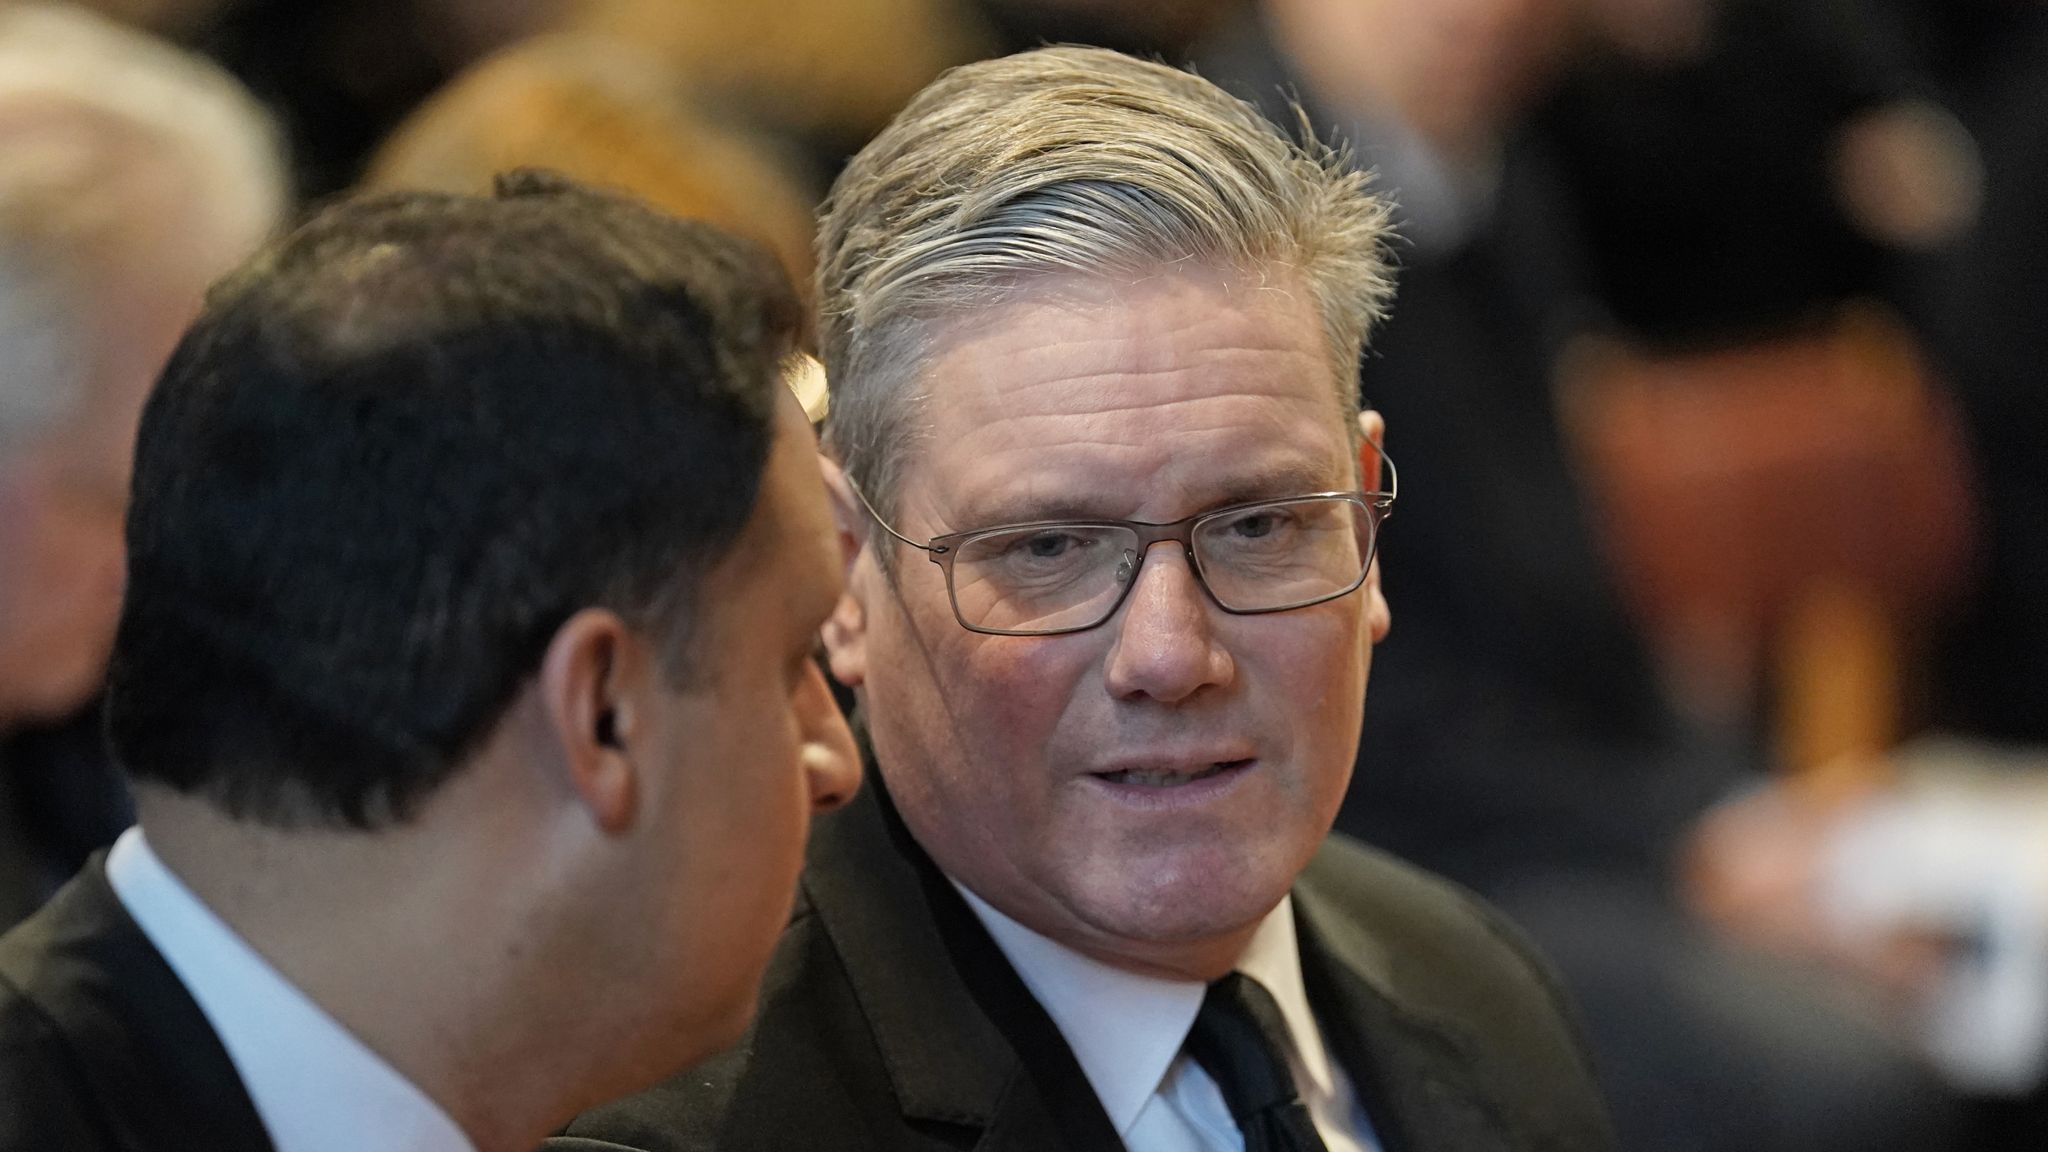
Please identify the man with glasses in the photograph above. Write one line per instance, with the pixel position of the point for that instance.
(1092, 329)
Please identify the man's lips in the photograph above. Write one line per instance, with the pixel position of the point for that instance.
(1170, 774)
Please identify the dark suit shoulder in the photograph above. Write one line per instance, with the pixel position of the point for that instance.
(1449, 939)
(44, 1100)
(1448, 961)
(101, 1046)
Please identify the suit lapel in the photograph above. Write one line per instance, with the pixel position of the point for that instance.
(1412, 1074)
(963, 1040)
(157, 1071)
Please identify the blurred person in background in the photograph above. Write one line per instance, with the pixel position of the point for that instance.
(611, 113)
(1930, 875)
(1741, 168)
(476, 562)
(1522, 739)
(821, 75)
(131, 175)
(1167, 29)
(818, 76)
(1764, 179)
(1982, 301)
(340, 74)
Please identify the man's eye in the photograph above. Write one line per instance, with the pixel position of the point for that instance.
(1048, 545)
(1253, 526)
(1258, 525)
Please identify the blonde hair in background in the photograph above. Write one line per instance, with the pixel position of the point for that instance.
(835, 69)
(607, 114)
(1069, 160)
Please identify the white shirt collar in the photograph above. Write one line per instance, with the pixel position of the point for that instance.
(315, 1085)
(1125, 1029)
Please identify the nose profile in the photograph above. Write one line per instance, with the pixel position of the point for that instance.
(1165, 646)
(830, 760)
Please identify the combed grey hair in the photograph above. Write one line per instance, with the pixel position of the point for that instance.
(1058, 161)
(109, 136)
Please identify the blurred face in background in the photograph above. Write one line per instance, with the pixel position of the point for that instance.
(1652, 30)
(63, 497)
(1165, 27)
(1456, 71)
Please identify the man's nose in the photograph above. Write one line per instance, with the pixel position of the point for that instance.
(830, 760)
(1166, 647)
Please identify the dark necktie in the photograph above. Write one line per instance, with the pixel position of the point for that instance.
(1240, 1040)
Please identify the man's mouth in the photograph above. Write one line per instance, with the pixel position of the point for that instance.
(1168, 778)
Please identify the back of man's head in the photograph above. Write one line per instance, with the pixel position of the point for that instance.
(396, 452)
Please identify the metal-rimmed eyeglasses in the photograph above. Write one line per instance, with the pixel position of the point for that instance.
(1047, 577)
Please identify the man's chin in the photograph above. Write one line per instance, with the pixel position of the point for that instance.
(1195, 913)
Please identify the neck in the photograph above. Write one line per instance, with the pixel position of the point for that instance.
(421, 940)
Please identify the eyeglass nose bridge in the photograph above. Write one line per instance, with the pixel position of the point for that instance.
(1181, 532)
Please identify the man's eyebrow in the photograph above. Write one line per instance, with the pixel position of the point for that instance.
(1292, 478)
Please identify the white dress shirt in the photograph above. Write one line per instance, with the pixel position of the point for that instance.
(315, 1086)
(1126, 1031)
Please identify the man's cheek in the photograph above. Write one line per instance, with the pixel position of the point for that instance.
(1020, 684)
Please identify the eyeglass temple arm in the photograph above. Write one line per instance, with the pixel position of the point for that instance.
(936, 550)
(1393, 485)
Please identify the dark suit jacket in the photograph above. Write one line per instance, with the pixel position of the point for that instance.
(61, 800)
(101, 1047)
(890, 1020)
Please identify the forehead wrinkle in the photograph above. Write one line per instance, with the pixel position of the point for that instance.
(1122, 389)
(1108, 400)
(1176, 476)
(1175, 457)
(1124, 416)
(1126, 403)
(1259, 321)
(1027, 355)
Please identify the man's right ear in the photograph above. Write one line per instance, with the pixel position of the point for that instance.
(592, 686)
(845, 632)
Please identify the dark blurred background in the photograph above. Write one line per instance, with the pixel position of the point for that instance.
(1715, 375)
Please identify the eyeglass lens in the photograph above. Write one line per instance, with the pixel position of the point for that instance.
(1065, 577)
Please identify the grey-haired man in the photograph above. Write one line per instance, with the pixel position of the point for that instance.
(1110, 512)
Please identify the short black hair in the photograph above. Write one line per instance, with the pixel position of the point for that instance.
(398, 449)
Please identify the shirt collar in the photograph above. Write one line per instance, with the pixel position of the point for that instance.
(1126, 1029)
(316, 1086)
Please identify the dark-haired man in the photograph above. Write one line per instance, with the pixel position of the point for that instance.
(476, 557)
